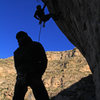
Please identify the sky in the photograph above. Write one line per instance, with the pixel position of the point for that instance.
(18, 15)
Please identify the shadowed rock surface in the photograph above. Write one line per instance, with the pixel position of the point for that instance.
(79, 20)
(64, 79)
(82, 90)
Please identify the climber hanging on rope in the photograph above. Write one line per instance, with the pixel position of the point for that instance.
(40, 15)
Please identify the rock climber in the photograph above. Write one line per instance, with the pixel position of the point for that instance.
(40, 15)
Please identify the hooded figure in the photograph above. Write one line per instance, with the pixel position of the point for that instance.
(30, 64)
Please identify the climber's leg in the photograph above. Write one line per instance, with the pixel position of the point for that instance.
(47, 17)
(43, 24)
(56, 16)
(40, 21)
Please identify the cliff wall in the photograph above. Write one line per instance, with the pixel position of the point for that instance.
(79, 20)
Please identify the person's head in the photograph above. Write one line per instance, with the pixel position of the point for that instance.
(22, 38)
(38, 7)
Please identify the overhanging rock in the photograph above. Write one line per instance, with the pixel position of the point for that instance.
(79, 20)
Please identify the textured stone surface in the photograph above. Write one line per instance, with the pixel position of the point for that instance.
(79, 20)
(64, 55)
(61, 78)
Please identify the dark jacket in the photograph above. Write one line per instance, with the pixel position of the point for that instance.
(30, 59)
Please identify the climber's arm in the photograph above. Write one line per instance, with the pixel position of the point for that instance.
(35, 15)
(44, 6)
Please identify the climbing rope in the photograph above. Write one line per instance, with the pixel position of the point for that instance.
(39, 33)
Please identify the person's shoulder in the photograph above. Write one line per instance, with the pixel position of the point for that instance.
(17, 50)
(37, 43)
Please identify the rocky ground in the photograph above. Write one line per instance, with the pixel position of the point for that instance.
(67, 77)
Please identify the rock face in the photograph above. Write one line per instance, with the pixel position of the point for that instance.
(64, 79)
(64, 55)
(79, 20)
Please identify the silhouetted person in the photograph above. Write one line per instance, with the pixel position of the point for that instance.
(30, 63)
(40, 15)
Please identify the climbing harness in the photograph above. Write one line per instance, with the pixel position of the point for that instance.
(39, 33)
